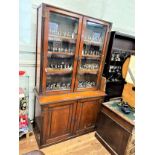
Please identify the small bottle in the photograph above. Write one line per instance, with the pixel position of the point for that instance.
(73, 35)
(62, 50)
(66, 50)
(69, 50)
(82, 52)
(49, 48)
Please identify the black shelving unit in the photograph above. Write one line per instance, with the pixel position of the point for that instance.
(120, 47)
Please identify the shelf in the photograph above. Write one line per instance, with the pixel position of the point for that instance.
(61, 38)
(92, 43)
(83, 88)
(61, 54)
(116, 63)
(56, 90)
(58, 71)
(88, 71)
(91, 57)
(126, 50)
(115, 82)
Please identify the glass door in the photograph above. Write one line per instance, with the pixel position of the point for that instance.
(91, 54)
(63, 44)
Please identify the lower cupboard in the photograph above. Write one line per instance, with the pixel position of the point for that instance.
(55, 122)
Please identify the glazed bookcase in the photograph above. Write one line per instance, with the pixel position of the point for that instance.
(71, 50)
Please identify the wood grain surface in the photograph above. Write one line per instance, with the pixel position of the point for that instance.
(82, 145)
(69, 97)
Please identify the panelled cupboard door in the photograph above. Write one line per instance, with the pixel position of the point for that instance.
(92, 54)
(60, 118)
(61, 45)
(87, 111)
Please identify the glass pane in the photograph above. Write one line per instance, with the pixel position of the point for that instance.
(91, 55)
(61, 50)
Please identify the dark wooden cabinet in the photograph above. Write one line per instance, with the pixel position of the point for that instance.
(87, 114)
(115, 131)
(121, 46)
(71, 50)
(63, 120)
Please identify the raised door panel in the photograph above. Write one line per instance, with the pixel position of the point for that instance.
(60, 122)
(87, 114)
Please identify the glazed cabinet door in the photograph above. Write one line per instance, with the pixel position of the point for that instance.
(92, 54)
(58, 122)
(86, 114)
(61, 44)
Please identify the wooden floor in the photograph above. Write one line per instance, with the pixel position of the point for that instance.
(82, 145)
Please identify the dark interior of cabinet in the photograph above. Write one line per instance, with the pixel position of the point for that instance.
(121, 46)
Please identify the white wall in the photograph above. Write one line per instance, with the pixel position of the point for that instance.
(119, 12)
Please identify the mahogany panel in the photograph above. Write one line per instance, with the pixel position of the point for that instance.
(113, 134)
(60, 120)
(87, 111)
(57, 122)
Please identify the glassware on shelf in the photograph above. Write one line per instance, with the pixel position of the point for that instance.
(91, 55)
(90, 52)
(66, 50)
(89, 66)
(73, 35)
(59, 86)
(86, 84)
(93, 39)
(61, 66)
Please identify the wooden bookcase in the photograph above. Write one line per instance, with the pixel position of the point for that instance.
(71, 50)
(121, 46)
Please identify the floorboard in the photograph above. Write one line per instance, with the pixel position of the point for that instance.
(82, 145)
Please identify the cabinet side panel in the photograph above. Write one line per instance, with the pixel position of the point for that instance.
(115, 136)
(38, 57)
(37, 108)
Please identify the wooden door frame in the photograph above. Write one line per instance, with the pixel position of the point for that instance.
(47, 11)
(103, 55)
